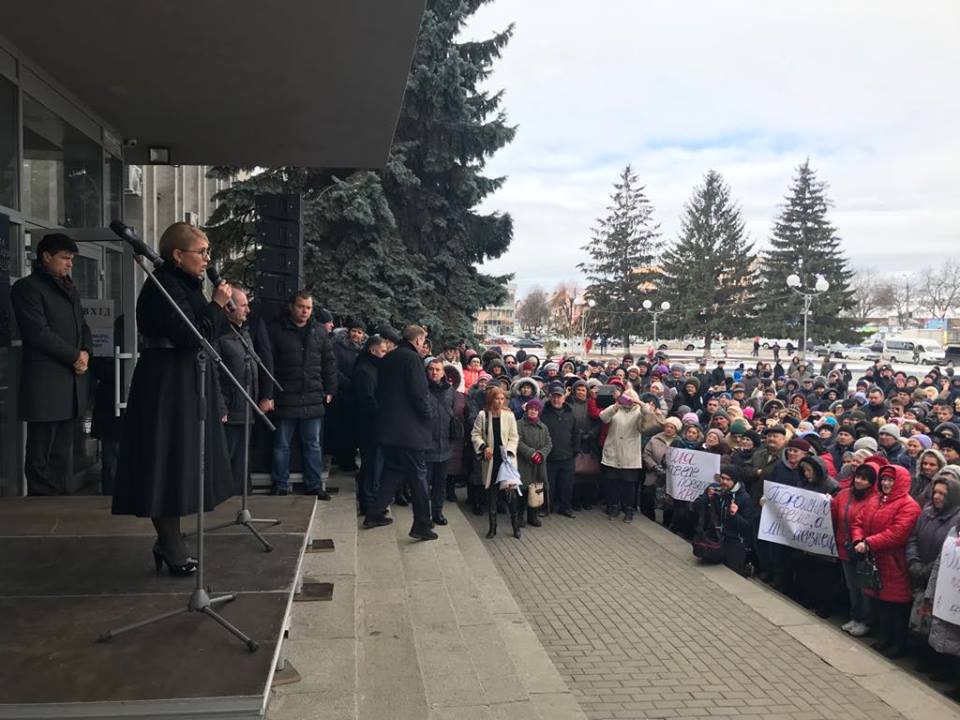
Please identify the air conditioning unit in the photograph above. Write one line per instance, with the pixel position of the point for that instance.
(134, 181)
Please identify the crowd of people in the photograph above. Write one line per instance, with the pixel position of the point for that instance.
(526, 438)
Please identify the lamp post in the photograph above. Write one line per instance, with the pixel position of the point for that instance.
(648, 306)
(796, 284)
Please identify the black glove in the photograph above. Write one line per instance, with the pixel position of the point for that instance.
(918, 575)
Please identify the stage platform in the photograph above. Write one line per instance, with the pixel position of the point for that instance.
(69, 570)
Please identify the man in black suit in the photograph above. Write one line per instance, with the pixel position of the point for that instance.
(57, 345)
(404, 432)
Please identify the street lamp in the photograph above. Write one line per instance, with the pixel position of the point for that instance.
(648, 306)
(796, 284)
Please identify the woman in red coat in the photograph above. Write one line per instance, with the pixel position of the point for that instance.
(883, 528)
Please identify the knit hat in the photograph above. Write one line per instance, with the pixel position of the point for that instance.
(924, 441)
(533, 403)
(716, 431)
(593, 382)
(551, 366)
(390, 333)
(891, 430)
(484, 375)
(739, 427)
(690, 418)
(862, 454)
(529, 366)
(325, 316)
(754, 436)
(749, 412)
(677, 367)
(799, 444)
(866, 442)
(673, 421)
(556, 388)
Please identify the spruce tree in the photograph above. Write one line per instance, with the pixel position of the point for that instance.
(622, 250)
(709, 271)
(402, 243)
(805, 243)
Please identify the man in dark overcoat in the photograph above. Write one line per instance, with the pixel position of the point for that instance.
(57, 345)
(404, 431)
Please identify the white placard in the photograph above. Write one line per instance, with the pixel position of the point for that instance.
(99, 316)
(689, 472)
(797, 518)
(946, 598)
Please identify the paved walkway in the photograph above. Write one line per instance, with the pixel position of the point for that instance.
(638, 629)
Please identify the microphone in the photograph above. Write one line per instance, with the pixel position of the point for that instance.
(215, 278)
(127, 234)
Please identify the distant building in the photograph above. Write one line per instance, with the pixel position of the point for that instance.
(499, 320)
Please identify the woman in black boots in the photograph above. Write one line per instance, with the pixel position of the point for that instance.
(494, 432)
(532, 450)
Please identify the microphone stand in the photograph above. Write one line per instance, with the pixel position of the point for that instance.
(200, 600)
(244, 518)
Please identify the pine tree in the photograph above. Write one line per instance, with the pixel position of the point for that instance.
(403, 243)
(623, 249)
(805, 243)
(708, 271)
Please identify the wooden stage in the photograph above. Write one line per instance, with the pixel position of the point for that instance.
(69, 570)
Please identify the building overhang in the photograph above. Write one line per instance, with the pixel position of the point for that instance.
(313, 83)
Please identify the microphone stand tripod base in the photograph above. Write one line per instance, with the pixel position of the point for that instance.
(245, 519)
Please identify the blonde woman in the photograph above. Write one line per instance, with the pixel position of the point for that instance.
(495, 430)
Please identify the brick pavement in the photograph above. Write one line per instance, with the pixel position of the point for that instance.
(637, 632)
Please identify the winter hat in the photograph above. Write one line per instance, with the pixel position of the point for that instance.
(484, 375)
(862, 454)
(675, 422)
(390, 333)
(593, 382)
(829, 420)
(650, 398)
(325, 316)
(754, 436)
(716, 431)
(865, 443)
(924, 441)
(629, 397)
(533, 404)
(689, 418)
(860, 398)
(551, 366)
(749, 412)
(677, 367)
(556, 388)
(616, 381)
(799, 444)
(739, 427)
(529, 366)
(891, 430)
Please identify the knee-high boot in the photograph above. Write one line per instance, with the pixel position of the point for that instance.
(492, 494)
(514, 507)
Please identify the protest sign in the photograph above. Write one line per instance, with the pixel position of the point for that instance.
(946, 598)
(689, 472)
(798, 519)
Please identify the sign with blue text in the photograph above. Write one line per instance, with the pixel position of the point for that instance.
(797, 518)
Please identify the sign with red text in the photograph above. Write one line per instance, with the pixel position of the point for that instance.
(689, 472)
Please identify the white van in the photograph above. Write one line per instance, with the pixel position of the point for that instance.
(912, 350)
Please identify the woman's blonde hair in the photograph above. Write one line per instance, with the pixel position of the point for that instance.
(178, 237)
(491, 395)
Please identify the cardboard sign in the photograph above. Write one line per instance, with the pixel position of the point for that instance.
(797, 518)
(689, 472)
(946, 598)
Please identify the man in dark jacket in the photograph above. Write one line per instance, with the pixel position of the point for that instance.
(342, 442)
(365, 413)
(440, 451)
(233, 409)
(57, 345)
(304, 365)
(404, 432)
(565, 438)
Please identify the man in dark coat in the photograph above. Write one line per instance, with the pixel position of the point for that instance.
(57, 345)
(565, 438)
(304, 365)
(341, 439)
(404, 432)
(234, 410)
(365, 413)
(440, 451)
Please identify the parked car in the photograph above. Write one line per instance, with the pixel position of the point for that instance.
(700, 344)
(835, 350)
(527, 343)
(908, 349)
(864, 352)
(767, 343)
(951, 355)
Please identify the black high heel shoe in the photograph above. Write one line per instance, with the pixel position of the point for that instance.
(159, 560)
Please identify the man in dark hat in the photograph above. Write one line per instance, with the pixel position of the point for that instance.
(340, 437)
(57, 345)
(565, 435)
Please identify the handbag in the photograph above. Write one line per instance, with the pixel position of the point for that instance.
(586, 464)
(708, 549)
(866, 576)
(535, 495)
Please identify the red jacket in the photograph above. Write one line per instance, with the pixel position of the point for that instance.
(886, 523)
(844, 508)
(828, 461)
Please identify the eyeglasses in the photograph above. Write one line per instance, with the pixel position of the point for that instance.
(202, 253)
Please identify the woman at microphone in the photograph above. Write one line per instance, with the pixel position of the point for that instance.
(157, 468)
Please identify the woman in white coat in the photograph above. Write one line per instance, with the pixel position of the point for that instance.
(494, 430)
(622, 452)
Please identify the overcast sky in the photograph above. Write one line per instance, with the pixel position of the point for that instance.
(866, 89)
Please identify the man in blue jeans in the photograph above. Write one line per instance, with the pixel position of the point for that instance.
(304, 364)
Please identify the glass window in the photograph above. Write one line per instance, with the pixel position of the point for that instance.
(86, 276)
(61, 170)
(8, 144)
(113, 182)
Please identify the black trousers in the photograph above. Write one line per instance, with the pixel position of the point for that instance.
(403, 465)
(437, 482)
(891, 622)
(621, 488)
(48, 464)
(560, 475)
(234, 435)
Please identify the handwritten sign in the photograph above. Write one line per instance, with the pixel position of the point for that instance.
(798, 519)
(946, 598)
(99, 317)
(689, 472)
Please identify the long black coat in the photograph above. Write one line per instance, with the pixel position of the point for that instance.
(54, 332)
(304, 365)
(157, 472)
(402, 399)
(440, 397)
(244, 369)
(364, 397)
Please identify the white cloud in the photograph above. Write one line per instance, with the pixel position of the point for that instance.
(749, 88)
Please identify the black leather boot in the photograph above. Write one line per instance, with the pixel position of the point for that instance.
(492, 532)
(515, 518)
(533, 517)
